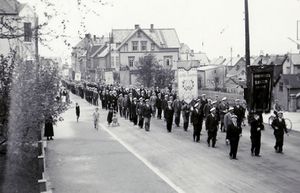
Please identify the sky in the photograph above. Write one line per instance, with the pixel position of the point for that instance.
(212, 26)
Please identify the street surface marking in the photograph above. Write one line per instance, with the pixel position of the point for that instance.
(146, 162)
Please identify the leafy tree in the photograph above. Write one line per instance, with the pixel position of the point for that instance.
(150, 73)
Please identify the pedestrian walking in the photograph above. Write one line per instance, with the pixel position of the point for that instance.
(169, 113)
(140, 108)
(255, 134)
(177, 110)
(279, 127)
(49, 133)
(159, 105)
(233, 133)
(223, 107)
(134, 111)
(211, 124)
(77, 110)
(227, 121)
(185, 115)
(196, 120)
(96, 117)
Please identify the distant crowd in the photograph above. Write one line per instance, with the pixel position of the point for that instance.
(140, 105)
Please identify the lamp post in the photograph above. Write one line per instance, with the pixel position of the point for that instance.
(247, 51)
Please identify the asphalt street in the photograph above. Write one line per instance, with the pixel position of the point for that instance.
(129, 159)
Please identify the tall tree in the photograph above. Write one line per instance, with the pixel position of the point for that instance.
(146, 70)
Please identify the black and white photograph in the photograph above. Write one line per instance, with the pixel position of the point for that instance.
(139, 96)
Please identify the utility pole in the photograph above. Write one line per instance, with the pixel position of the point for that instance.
(247, 51)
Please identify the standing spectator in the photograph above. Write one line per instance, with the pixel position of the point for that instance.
(169, 113)
(96, 117)
(77, 109)
(147, 115)
(212, 127)
(185, 114)
(233, 133)
(279, 127)
(49, 133)
(255, 131)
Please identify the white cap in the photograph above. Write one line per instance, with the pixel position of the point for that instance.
(212, 109)
(230, 108)
(224, 98)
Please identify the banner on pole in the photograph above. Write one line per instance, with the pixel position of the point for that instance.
(187, 84)
(109, 77)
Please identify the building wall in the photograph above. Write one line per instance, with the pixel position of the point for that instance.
(210, 76)
(281, 95)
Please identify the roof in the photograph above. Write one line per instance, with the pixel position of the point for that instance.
(104, 52)
(218, 61)
(295, 59)
(291, 80)
(188, 64)
(270, 59)
(9, 7)
(210, 67)
(98, 50)
(164, 38)
(233, 61)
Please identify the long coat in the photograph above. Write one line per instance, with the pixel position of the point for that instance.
(49, 127)
(233, 132)
(211, 123)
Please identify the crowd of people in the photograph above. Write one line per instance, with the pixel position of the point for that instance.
(140, 105)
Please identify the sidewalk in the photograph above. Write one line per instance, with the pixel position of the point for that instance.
(81, 159)
(293, 116)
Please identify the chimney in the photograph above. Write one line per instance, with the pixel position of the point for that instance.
(151, 27)
(136, 26)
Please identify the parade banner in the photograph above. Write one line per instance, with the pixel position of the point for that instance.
(109, 77)
(77, 76)
(187, 84)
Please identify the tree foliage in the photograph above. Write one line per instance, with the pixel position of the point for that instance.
(150, 73)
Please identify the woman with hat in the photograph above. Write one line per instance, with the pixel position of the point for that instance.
(233, 134)
(279, 127)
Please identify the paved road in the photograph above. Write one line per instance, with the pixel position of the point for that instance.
(194, 167)
(80, 159)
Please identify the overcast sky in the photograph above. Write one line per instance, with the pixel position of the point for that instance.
(211, 26)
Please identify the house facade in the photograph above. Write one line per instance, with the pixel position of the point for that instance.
(19, 36)
(211, 77)
(292, 64)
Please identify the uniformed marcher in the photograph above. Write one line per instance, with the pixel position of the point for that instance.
(233, 133)
(140, 108)
(147, 112)
(177, 111)
(256, 127)
(185, 115)
(211, 124)
(239, 111)
(196, 120)
(134, 111)
(169, 113)
(279, 127)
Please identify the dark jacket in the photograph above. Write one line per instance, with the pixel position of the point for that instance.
(169, 113)
(280, 125)
(147, 111)
(211, 123)
(233, 132)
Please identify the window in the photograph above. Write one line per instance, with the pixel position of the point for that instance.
(126, 47)
(237, 67)
(135, 45)
(168, 60)
(144, 45)
(152, 46)
(27, 32)
(130, 61)
(281, 86)
(117, 61)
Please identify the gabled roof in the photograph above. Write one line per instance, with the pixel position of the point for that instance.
(210, 67)
(98, 49)
(233, 61)
(163, 38)
(9, 7)
(217, 61)
(188, 64)
(270, 59)
(291, 80)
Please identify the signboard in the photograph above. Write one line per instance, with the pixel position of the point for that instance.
(77, 76)
(109, 77)
(187, 84)
(261, 88)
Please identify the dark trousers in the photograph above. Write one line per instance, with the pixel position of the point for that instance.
(159, 111)
(120, 111)
(196, 133)
(233, 148)
(177, 118)
(255, 141)
(279, 142)
(141, 121)
(212, 136)
(185, 125)
(200, 124)
(134, 119)
(169, 125)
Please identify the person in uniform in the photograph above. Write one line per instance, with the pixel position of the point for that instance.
(185, 114)
(211, 124)
(279, 127)
(140, 108)
(255, 134)
(227, 121)
(233, 133)
(169, 113)
(239, 111)
(147, 112)
(159, 105)
(195, 117)
(223, 107)
(177, 111)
